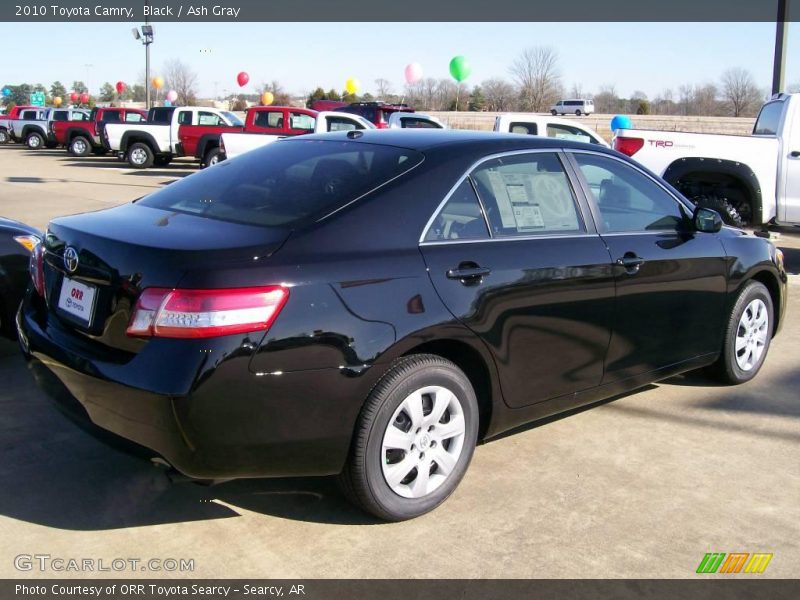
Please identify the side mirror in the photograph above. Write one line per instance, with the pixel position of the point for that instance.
(706, 220)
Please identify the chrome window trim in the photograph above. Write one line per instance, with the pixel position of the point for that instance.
(513, 238)
(557, 151)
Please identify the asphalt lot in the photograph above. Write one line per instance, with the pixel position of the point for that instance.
(641, 486)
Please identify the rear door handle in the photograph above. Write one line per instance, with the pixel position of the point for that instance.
(468, 273)
(630, 262)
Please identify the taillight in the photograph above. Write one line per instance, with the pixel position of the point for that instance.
(221, 146)
(382, 125)
(36, 268)
(170, 313)
(628, 145)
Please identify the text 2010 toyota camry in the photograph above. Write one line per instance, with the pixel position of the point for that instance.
(371, 304)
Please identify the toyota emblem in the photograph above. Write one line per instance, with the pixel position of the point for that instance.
(71, 259)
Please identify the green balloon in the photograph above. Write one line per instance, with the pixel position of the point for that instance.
(459, 68)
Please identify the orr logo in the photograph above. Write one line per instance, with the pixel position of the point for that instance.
(734, 562)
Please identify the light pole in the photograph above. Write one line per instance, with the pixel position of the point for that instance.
(779, 62)
(146, 37)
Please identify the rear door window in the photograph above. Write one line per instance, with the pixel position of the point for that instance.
(269, 119)
(525, 128)
(111, 116)
(567, 132)
(461, 218)
(286, 182)
(133, 117)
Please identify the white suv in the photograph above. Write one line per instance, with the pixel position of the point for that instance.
(578, 107)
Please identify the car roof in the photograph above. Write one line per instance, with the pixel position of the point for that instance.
(422, 140)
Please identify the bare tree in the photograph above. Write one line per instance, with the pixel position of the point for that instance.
(536, 73)
(383, 88)
(279, 96)
(740, 91)
(179, 76)
(500, 94)
(607, 101)
(576, 91)
(706, 100)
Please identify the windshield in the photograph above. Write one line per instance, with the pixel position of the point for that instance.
(286, 182)
(233, 119)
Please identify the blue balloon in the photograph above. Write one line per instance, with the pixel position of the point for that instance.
(167, 103)
(6, 92)
(621, 122)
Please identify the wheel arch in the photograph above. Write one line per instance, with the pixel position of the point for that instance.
(74, 132)
(133, 137)
(735, 172)
(770, 281)
(206, 143)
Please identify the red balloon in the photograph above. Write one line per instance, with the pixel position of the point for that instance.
(84, 98)
(242, 79)
(73, 97)
(121, 87)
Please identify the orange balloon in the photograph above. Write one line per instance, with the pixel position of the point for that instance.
(158, 82)
(267, 98)
(57, 101)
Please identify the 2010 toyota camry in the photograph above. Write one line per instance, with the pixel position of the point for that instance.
(371, 304)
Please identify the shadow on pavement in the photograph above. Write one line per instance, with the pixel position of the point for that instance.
(55, 474)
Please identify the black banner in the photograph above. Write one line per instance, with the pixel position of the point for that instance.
(386, 589)
(405, 10)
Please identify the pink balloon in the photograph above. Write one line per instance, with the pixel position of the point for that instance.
(413, 73)
(172, 95)
(242, 79)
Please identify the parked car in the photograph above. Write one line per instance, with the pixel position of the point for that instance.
(413, 120)
(572, 107)
(750, 180)
(377, 113)
(17, 240)
(532, 124)
(157, 141)
(35, 127)
(372, 303)
(269, 126)
(5, 120)
(82, 137)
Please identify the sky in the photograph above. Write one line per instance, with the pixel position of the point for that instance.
(649, 57)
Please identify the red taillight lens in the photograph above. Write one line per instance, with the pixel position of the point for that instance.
(628, 146)
(36, 268)
(169, 313)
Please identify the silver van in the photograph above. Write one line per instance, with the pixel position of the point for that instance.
(569, 107)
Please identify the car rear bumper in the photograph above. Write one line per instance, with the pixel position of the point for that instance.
(231, 424)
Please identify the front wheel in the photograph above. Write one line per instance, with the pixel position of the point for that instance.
(3, 136)
(414, 440)
(578, 113)
(34, 141)
(748, 333)
(554, 113)
(211, 158)
(79, 146)
(140, 156)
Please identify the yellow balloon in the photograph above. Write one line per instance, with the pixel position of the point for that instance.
(352, 85)
(158, 82)
(267, 98)
(57, 101)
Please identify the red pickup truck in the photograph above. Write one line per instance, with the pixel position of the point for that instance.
(13, 115)
(82, 137)
(203, 140)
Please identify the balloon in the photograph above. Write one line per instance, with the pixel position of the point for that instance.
(621, 122)
(352, 85)
(172, 95)
(413, 72)
(167, 103)
(459, 68)
(6, 92)
(242, 79)
(57, 101)
(84, 98)
(73, 97)
(267, 98)
(121, 87)
(158, 82)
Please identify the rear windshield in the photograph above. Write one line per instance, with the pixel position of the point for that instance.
(286, 182)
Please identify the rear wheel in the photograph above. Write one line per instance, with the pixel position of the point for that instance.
(578, 113)
(414, 440)
(748, 333)
(79, 146)
(34, 141)
(554, 113)
(3, 136)
(140, 156)
(211, 158)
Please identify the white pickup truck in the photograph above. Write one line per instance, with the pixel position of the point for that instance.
(233, 144)
(750, 180)
(547, 125)
(159, 139)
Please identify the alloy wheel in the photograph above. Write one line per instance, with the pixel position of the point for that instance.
(138, 156)
(751, 334)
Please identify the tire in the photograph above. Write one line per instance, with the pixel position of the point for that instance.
(79, 146)
(211, 158)
(749, 327)
(34, 141)
(3, 136)
(388, 412)
(554, 113)
(730, 215)
(140, 156)
(578, 113)
(162, 161)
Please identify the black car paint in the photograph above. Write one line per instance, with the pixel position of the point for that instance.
(286, 402)
(14, 277)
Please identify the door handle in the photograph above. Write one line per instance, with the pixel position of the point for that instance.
(630, 262)
(795, 154)
(468, 272)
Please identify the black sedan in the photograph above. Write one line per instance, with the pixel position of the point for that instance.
(16, 243)
(371, 304)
